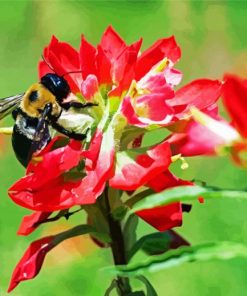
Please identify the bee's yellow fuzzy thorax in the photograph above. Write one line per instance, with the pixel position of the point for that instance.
(32, 108)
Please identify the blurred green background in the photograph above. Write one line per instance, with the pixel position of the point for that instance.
(213, 38)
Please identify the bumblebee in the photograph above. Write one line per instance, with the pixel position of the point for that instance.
(34, 111)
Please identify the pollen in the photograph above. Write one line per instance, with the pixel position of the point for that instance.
(184, 165)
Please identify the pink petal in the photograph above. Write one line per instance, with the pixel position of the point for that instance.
(89, 87)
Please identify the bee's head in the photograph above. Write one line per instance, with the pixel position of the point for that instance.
(57, 85)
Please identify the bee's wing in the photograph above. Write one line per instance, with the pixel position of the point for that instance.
(7, 105)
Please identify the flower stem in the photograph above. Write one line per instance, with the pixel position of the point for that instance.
(118, 249)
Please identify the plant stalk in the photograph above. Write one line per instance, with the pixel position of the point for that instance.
(118, 248)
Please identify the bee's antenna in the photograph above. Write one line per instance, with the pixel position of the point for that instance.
(43, 58)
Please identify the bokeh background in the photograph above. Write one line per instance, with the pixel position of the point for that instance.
(213, 38)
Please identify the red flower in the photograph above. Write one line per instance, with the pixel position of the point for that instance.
(146, 80)
(210, 133)
(31, 262)
(51, 192)
(135, 93)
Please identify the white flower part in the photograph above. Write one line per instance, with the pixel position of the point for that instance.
(173, 76)
(220, 128)
(74, 121)
(148, 121)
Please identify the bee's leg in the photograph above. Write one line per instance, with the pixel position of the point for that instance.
(77, 105)
(66, 132)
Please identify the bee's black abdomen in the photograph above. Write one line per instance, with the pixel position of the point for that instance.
(56, 85)
(23, 141)
(21, 145)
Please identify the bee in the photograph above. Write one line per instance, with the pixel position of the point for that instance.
(35, 110)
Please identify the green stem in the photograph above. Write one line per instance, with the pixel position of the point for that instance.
(118, 249)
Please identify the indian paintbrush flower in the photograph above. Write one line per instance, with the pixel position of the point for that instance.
(134, 93)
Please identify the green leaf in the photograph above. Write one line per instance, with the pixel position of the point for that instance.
(150, 289)
(98, 221)
(102, 237)
(75, 231)
(138, 196)
(183, 194)
(136, 293)
(119, 213)
(157, 243)
(204, 252)
(129, 232)
(112, 286)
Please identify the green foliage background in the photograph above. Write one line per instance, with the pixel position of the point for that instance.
(212, 35)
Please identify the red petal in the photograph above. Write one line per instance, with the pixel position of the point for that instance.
(48, 192)
(235, 101)
(92, 153)
(43, 69)
(111, 43)
(55, 163)
(156, 109)
(101, 169)
(163, 218)
(63, 58)
(31, 262)
(136, 167)
(166, 180)
(163, 48)
(103, 67)
(87, 58)
(56, 194)
(200, 93)
(53, 196)
(123, 68)
(31, 222)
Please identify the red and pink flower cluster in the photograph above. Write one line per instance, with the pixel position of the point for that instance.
(135, 92)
